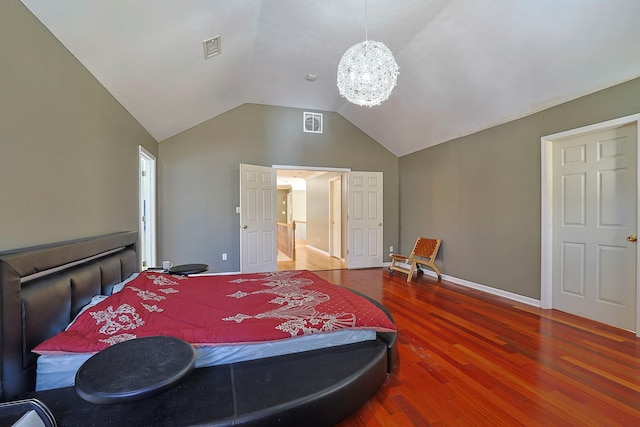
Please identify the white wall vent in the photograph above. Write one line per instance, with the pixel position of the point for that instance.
(312, 122)
(211, 47)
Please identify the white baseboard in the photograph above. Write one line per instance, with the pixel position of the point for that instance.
(313, 248)
(462, 282)
(484, 288)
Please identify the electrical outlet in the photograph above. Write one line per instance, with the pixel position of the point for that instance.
(224, 257)
(390, 248)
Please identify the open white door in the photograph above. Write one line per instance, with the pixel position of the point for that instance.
(365, 220)
(258, 251)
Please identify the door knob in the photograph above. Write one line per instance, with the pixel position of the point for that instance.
(632, 238)
(244, 227)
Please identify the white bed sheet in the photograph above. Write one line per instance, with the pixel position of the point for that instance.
(54, 371)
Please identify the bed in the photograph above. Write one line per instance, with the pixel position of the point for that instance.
(44, 288)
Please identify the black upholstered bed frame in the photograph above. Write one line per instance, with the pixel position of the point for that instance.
(42, 288)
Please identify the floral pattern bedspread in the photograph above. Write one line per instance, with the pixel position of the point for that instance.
(216, 310)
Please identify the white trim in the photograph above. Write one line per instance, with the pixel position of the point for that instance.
(546, 254)
(331, 208)
(483, 288)
(487, 289)
(546, 257)
(313, 248)
(311, 168)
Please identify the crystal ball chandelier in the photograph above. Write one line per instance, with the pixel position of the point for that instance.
(367, 73)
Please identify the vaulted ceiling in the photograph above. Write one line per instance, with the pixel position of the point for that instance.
(465, 65)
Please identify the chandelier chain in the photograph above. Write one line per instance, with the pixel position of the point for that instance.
(366, 20)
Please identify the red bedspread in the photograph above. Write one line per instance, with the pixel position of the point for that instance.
(213, 310)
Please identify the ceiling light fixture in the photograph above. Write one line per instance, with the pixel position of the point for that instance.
(367, 72)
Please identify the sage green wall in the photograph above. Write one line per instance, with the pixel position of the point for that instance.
(69, 150)
(199, 175)
(481, 193)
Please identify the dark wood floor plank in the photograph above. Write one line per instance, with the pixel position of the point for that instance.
(467, 358)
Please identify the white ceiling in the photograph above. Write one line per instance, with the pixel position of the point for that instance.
(465, 65)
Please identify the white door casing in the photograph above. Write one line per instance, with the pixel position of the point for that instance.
(588, 210)
(365, 220)
(258, 250)
(335, 217)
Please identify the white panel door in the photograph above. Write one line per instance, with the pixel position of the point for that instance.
(365, 220)
(258, 251)
(594, 191)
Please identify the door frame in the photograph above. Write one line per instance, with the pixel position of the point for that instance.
(546, 257)
(147, 220)
(335, 202)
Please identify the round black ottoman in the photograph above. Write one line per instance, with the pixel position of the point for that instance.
(135, 369)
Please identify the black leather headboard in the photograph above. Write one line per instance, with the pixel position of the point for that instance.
(42, 288)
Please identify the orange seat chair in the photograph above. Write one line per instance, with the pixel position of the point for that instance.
(423, 254)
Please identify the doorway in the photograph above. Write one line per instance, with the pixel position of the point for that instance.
(589, 220)
(147, 207)
(314, 204)
(363, 223)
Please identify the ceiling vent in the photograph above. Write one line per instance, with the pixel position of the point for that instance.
(312, 122)
(211, 47)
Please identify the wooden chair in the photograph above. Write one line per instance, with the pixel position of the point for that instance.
(424, 253)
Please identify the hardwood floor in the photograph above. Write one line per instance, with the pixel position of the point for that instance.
(471, 359)
(312, 260)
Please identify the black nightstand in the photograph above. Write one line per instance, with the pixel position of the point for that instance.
(185, 269)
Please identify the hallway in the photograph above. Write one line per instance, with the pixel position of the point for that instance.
(309, 259)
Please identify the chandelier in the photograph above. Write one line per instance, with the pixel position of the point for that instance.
(367, 72)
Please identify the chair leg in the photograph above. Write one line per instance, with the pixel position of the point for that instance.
(411, 269)
(436, 269)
